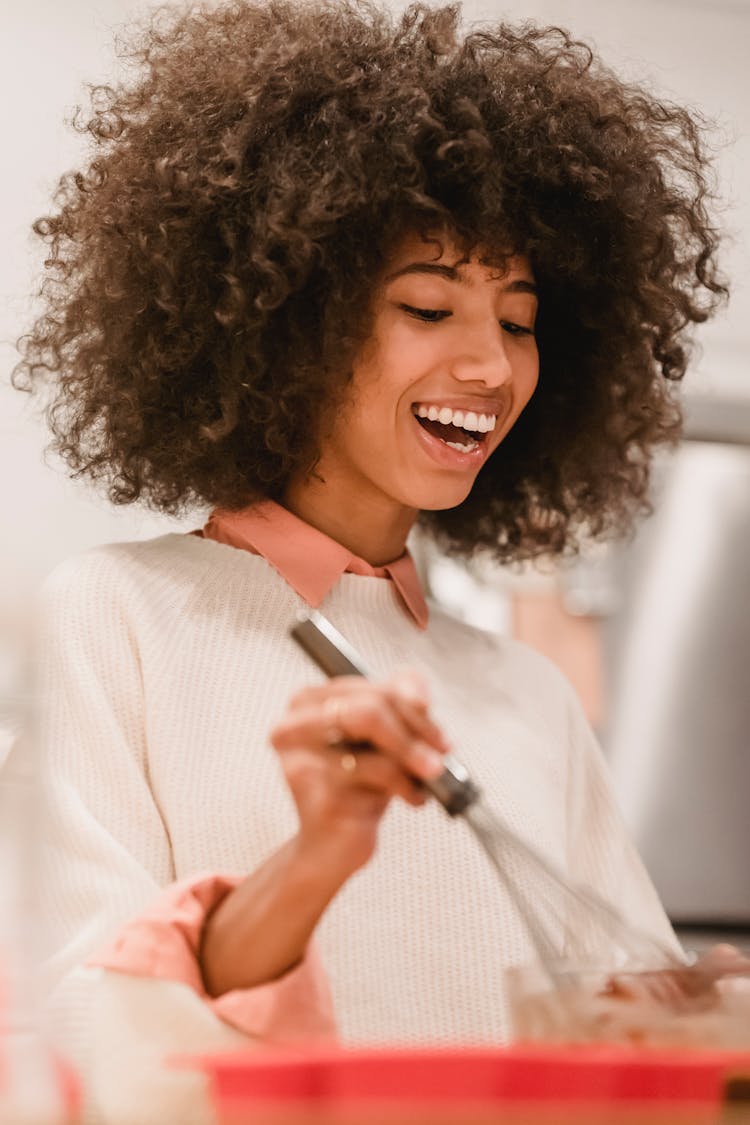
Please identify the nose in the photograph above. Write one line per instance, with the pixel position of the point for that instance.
(483, 357)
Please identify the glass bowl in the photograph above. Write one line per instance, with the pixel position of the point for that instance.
(568, 1003)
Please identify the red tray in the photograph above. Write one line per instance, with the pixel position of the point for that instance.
(362, 1084)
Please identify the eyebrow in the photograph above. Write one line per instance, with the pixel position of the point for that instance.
(520, 285)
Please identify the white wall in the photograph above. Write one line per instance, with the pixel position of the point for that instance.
(47, 51)
(695, 51)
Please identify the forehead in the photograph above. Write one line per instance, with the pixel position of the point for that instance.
(442, 250)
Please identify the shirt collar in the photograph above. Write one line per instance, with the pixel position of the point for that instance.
(308, 559)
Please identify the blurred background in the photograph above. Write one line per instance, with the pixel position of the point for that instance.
(654, 633)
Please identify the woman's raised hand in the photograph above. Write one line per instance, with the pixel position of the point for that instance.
(347, 747)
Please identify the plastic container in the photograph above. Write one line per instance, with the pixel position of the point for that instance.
(525, 1083)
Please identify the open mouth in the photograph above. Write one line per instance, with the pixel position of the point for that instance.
(462, 430)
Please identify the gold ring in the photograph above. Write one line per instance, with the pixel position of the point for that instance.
(348, 762)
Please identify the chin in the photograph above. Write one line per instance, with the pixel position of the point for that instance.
(450, 498)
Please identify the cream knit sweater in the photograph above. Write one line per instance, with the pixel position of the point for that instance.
(162, 666)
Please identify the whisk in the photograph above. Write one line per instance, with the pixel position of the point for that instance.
(558, 900)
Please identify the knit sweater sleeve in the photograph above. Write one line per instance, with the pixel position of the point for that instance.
(601, 854)
(106, 849)
(107, 857)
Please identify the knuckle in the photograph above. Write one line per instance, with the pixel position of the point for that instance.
(372, 711)
(291, 732)
(277, 735)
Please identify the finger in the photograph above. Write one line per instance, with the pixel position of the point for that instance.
(371, 773)
(407, 683)
(359, 720)
(722, 960)
(366, 717)
(322, 723)
(317, 693)
(411, 684)
(419, 722)
(407, 691)
(375, 772)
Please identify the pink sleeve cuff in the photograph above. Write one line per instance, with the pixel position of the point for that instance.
(164, 942)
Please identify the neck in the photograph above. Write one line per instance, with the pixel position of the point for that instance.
(375, 532)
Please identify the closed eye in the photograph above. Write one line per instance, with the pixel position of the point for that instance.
(430, 316)
(434, 316)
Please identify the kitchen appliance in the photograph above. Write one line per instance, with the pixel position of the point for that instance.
(678, 660)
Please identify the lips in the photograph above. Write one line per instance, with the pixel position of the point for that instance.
(457, 456)
(459, 427)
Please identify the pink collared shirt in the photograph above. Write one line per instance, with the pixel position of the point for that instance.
(308, 559)
(163, 943)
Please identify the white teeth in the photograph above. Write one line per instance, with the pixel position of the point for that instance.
(463, 448)
(465, 419)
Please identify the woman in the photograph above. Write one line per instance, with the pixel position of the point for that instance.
(335, 274)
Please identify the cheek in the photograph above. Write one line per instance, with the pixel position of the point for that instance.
(529, 376)
(391, 376)
(409, 352)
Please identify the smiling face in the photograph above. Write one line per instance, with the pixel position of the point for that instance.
(450, 364)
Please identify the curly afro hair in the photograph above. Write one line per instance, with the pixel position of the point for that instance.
(210, 271)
